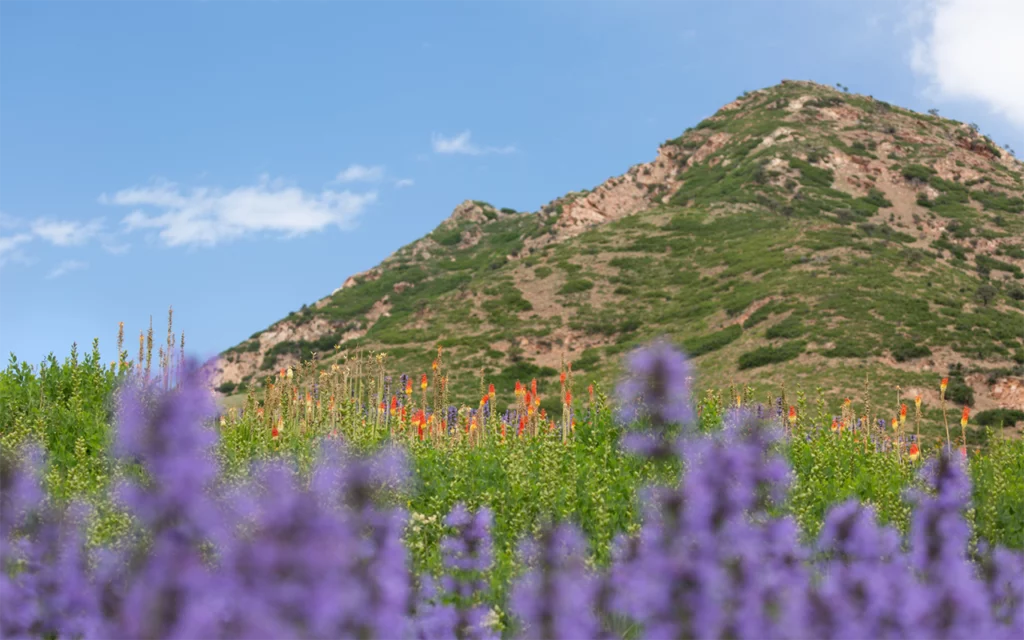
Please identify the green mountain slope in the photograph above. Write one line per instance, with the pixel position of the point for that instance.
(800, 236)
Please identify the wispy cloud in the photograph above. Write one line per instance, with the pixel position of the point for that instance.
(968, 49)
(66, 233)
(9, 251)
(461, 144)
(360, 173)
(67, 267)
(404, 182)
(206, 217)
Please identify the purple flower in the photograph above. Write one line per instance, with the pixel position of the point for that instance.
(555, 598)
(657, 386)
(457, 610)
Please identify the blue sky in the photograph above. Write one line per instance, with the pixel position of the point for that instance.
(236, 160)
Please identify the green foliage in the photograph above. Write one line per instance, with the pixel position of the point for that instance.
(447, 237)
(918, 172)
(699, 345)
(576, 285)
(791, 327)
(909, 350)
(771, 355)
(998, 417)
(812, 176)
(830, 469)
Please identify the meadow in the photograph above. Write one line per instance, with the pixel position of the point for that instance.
(353, 501)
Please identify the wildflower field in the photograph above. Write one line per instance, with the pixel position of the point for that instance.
(353, 501)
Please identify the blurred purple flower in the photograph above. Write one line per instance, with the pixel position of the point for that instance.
(657, 385)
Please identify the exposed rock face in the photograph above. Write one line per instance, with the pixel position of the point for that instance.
(234, 366)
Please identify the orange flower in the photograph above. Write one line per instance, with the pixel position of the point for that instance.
(917, 401)
(408, 387)
(533, 386)
(522, 425)
(792, 414)
(963, 417)
(915, 452)
(423, 382)
(394, 403)
(434, 366)
(519, 388)
(942, 387)
(490, 390)
(835, 424)
(259, 412)
(568, 397)
(590, 389)
(895, 424)
(529, 398)
(536, 401)
(903, 414)
(483, 401)
(561, 378)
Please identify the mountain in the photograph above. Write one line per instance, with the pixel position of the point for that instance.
(801, 236)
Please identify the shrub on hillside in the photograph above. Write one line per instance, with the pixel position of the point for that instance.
(576, 285)
(909, 350)
(699, 345)
(771, 355)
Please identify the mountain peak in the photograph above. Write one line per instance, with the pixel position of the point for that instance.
(799, 228)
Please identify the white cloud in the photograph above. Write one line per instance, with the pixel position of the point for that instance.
(404, 182)
(205, 216)
(359, 173)
(66, 267)
(972, 49)
(66, 233)
(461, 144)
(9, 251)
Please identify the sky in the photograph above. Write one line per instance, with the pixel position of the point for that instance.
(236, 160)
